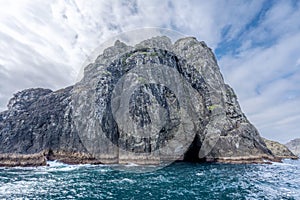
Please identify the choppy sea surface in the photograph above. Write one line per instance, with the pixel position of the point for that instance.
(177, 181)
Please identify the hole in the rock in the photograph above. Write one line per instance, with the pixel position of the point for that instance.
(192, 153)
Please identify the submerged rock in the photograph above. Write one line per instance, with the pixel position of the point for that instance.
(154, 102)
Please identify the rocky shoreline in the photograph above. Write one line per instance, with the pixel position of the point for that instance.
(75, 158)
(40, 159)
(22, 160)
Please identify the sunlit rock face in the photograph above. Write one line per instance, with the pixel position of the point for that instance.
(154, 102)
(279, 150)
(294, 146)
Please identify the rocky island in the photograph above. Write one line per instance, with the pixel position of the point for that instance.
(280, 150)
(294, 146)
(153, 102)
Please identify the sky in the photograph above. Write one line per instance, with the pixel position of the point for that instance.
(257, 44)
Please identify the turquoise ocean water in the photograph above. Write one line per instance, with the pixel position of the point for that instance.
(177, 181)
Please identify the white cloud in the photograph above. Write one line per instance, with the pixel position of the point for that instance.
(44, 44)
(267, 79)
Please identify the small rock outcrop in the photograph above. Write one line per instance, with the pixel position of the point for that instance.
(279, 150)
(294, 146)
(153, 102)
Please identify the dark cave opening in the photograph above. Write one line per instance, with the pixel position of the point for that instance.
(192, 153)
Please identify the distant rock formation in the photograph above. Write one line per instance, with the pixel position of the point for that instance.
(294, 146)
(279, 150)
(180, 94)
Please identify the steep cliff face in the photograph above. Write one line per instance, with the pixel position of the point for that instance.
(38, 119)
(153, 102)
(38, 123)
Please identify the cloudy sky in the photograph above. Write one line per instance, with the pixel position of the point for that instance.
(257, 43)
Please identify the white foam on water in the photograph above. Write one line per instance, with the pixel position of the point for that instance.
(127, 180)
(124, 180)
(282, 164)
(21, 187)
(199, 174)
(104, 170)
(59, 166)
(55, 163)
(131, 165)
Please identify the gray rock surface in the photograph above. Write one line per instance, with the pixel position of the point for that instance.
(279, 150)
(38, 122)
(154, 102)
(294, 146)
